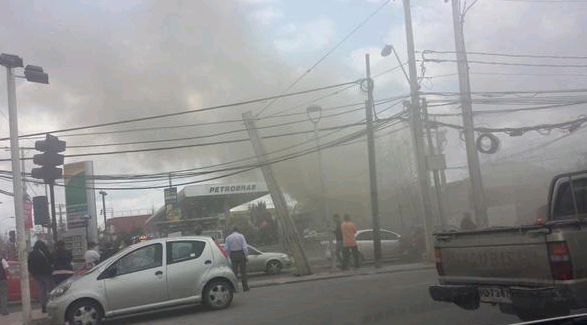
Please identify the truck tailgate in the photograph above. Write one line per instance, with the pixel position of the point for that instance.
(504, 257)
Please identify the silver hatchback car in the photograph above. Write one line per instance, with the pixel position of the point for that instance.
(150, 275)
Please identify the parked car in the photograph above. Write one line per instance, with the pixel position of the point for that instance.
(13, 284)
(389, 244)
(149, 275)
(268, 262)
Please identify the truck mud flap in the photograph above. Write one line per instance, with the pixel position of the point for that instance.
(465, 297)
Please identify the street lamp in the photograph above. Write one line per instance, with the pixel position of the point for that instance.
(314, 113)
(33, 74)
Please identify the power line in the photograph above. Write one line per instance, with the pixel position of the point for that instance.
(511, 63)
(205, 109)
(514, 110)
(535, 56)
(333, 143)
(327, 54)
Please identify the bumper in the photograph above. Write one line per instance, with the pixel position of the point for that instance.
(56, 313)
(467, 296)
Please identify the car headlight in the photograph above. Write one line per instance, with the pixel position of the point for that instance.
(60, 290)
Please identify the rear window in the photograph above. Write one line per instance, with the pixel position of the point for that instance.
(180, 251)
(570, 199)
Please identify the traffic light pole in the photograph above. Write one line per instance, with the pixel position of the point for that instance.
(18, 199)
(53, 217)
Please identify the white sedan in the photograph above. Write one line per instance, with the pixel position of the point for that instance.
(389, 244)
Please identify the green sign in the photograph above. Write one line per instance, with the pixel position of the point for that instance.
(76, 198)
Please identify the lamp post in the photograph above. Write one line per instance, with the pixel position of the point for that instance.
(314, 113)
(106, 232)
(33, 74)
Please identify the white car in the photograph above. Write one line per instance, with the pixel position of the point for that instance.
(147, 276)
(389, 244)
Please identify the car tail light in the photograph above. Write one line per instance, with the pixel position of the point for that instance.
(438, 260)
(560, 260)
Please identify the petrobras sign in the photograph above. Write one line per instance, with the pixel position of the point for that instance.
(229, 189)
(223, 189)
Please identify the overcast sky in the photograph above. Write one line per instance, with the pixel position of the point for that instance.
(114, 60)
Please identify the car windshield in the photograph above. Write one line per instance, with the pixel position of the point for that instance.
(425, 160)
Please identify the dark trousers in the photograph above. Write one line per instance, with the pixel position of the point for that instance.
(239, 266)
(58, 278)
(44, 286)
(346, 255)
(3, 297)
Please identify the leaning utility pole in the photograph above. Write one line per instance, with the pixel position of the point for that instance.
(292, 238)
(416, 119)
(465, 88)
(434, 169)
(372, 169)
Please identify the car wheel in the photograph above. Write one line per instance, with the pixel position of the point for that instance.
(85, 312)
(218, 294)
(274, 267)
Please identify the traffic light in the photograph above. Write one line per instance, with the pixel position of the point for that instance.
(12, 236)
(48, 159)
(41, 209)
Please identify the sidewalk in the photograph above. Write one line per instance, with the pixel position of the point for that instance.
(323, 274)
(16, 318)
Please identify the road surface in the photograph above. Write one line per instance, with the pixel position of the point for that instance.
(393, 298)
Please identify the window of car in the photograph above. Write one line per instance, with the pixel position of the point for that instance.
(366, 235)
(570, 199)
(253, 251)
(180, 251)
(141, 259)
(386, 235)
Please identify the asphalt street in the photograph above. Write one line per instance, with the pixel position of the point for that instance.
(394, 298)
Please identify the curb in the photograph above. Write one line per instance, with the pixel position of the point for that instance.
(336, 276)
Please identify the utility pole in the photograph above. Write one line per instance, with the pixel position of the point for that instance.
(434, 170)
(416, 120)
(18, 198)
(292, 238)
(25, 197)
(372, 167)
(465, 89)
(106, 232)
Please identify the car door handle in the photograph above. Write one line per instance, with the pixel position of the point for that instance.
(159, 273)
(208, 262)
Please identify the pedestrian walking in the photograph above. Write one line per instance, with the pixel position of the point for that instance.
(349, 243)
(237, 248)
(92, 257)
(338, 236)
(62, 263)
(40, 265)
(4, 276)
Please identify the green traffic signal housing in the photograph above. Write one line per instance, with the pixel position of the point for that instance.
(49, 159)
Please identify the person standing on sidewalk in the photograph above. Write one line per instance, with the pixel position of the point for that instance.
(63, 265)
(349, 243)
(4, 276)
(40, 263)
(236, 246)
(338, 236)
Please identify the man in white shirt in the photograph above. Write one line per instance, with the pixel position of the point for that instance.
(4, 275)
(237, 248)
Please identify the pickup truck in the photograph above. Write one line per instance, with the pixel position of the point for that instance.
(534, 271)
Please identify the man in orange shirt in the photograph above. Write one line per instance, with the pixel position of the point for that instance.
(349, 243)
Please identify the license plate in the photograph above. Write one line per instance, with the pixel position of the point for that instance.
(494, 295)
